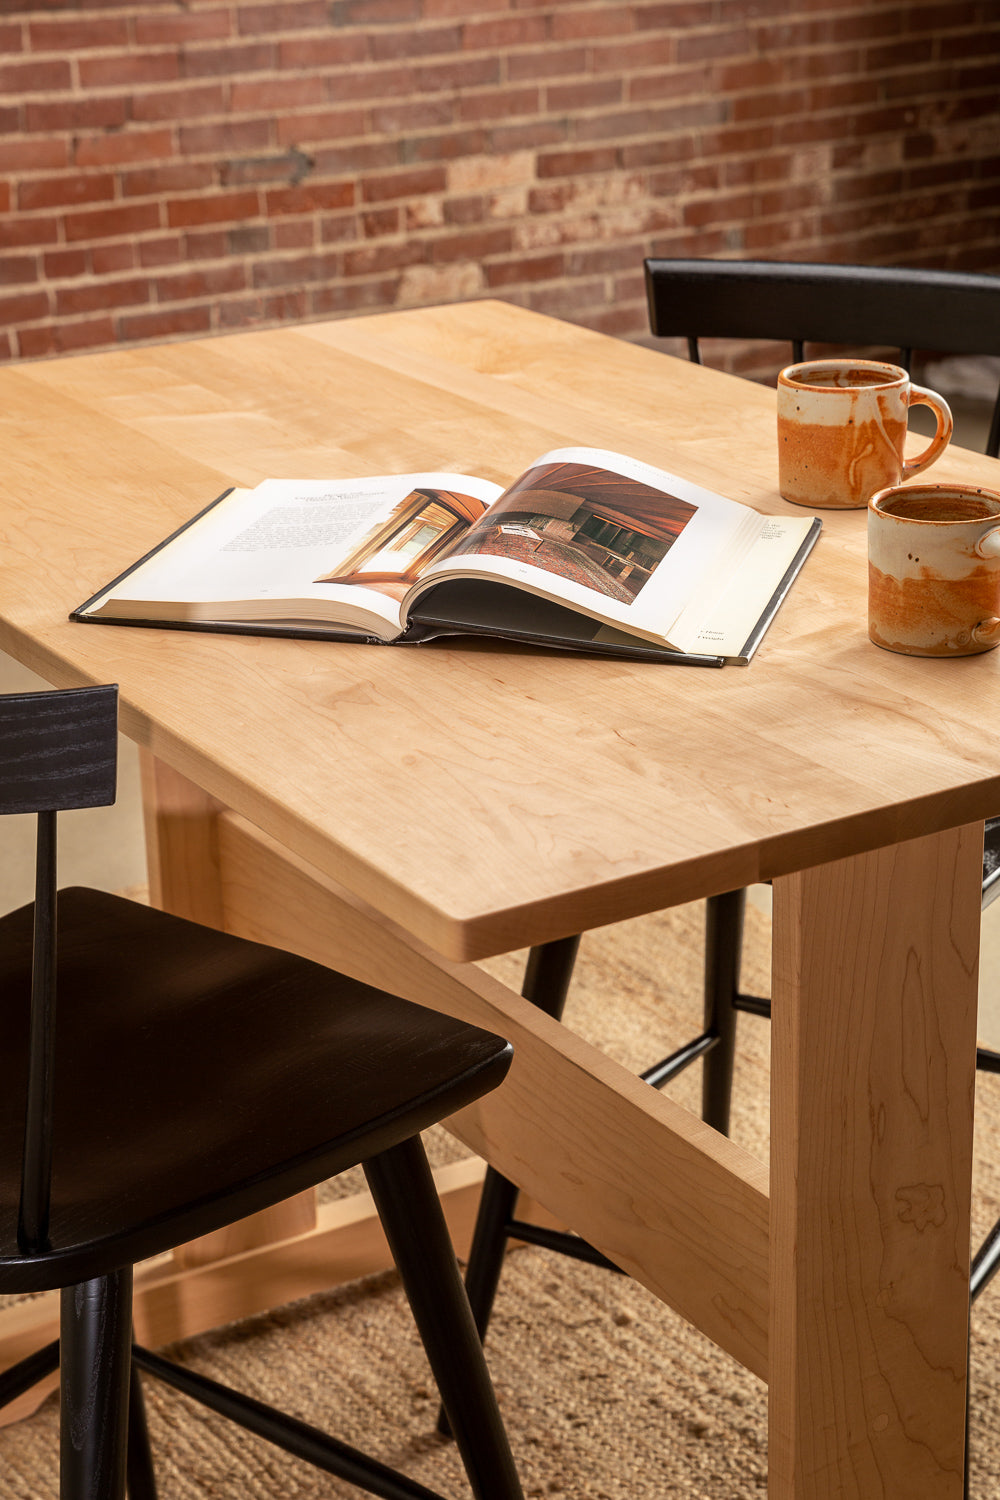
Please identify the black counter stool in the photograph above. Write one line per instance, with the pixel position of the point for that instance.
(160, 1080)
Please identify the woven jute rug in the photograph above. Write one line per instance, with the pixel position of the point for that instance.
(607, 1394)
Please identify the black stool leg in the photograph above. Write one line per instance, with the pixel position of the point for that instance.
(95, 1342)
(546, 984)
(723, 948)
(408, 1205)
(140, 1475)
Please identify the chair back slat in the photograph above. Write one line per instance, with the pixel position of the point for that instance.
(58, 750)
(954, 312)
(944, 312)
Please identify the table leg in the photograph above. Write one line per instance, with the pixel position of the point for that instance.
(185, 877)
(873, 1076)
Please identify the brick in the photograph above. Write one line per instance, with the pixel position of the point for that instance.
(225, 137)
(165, 250)
(435, 10)
(207, 244)
(48, 116)
(403, 117)
(25, 307)
(191, 285)
(573, 163)
(606, 20)
(277, 93)
(504, 31)
(382, 221)
(583, 95)
(60, 264)
(78, 35)
(528, 268)
(15, 269)
(408, 184)
(118, 147)
(322, 51)
(499, 105)
(420, 285)
(293, 270)
(179, 103)
(358, 85)
(246, 312)
(628, 57)
(167, 323)
(99, 224)
(58, 192)
(674, 13)
(293, 234)
(111, 259)
(344, 227)
(467, 73)
(361, 157)
(350, 297)
(449, 146)
(546, 63)
(162, 181)
(289, 166)
(310, 197)
(388, 46)
(65, 338)
(481, 173)
(26, 154)
(48, 76)
(228, 61)
(214, 208)
(423, 213)
(375, 258)
(476, 245)
(99, 296)
(128, 70)
(373, 12)
(530, 135)
(248, 239)
(183, 28)
(284, 16)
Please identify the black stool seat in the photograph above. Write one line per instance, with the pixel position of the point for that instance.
(182, 1090)
(160, 1080)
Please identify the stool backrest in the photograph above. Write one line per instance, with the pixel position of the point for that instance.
(947, 312)
(58, 750)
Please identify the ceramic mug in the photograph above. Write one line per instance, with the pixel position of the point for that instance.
(934, 569)
(842, 429)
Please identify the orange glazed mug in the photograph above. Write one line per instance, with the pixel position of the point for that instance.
(934, 569)
(842, 429)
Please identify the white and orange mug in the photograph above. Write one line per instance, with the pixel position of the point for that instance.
(934, 569)
(842, 430)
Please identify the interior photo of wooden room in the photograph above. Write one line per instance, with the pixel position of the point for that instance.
(491, 1068)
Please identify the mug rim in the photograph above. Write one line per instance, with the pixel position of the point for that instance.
(786, 375)
(972, 490)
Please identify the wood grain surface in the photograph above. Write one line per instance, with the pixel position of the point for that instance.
(483, 796)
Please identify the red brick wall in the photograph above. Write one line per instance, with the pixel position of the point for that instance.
(180, 167)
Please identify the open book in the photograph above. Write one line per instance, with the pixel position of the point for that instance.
(587, 549)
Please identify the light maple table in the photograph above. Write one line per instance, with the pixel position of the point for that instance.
(402, 812)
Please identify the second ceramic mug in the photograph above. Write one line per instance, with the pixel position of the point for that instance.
(934, 569)
(842, 430)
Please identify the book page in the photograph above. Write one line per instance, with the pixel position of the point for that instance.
(618, 539)
(290, 549)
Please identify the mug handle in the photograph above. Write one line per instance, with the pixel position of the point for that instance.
(987, 632)
(920, 396)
